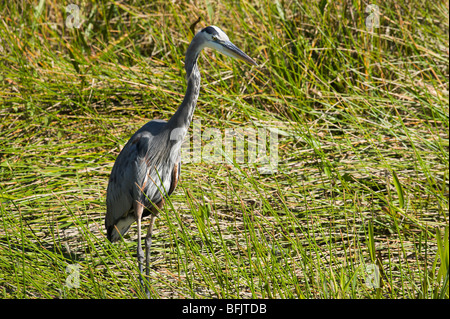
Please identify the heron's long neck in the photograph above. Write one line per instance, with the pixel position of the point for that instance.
(183, 116)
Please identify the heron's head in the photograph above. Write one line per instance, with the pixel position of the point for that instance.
(214, 38)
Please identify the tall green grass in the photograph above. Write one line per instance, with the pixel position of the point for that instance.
(362, 177)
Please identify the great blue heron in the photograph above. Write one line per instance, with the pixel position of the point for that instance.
(148, 167)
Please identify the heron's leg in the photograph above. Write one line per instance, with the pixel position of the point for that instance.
(139, 209)
(148, 244)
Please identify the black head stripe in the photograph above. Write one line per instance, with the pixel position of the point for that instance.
(210, 30)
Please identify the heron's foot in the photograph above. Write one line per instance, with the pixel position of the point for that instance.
(148, 244)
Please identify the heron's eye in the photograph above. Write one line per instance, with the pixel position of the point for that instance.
(215, 38)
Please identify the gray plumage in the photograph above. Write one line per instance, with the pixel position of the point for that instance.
(148, 167)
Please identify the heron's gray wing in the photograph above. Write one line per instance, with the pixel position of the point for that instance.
(123, 179)
(175, 177)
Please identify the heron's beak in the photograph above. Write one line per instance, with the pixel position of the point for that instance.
(233, 51)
